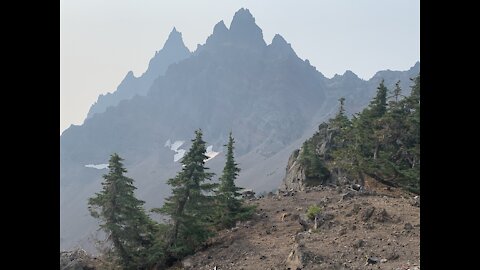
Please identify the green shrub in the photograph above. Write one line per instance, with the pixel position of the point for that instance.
(312, 211)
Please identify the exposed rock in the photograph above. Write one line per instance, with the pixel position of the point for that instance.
(359, 243)
(324, 201)
(76, 260)
(415, 201)
(295, 177)
(367, 213)
(408, 226)
(382, 216)
(187, 263)
(296, 258)
(372, 260)
(295, 174)
(247, 194)
(356, 187)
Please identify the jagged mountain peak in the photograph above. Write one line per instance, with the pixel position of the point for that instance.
(174, 40)
(349, 74)
(280, 47)
(219, 35)
(242, 17)
(220, 28)
(173, 51)
(244, 31)
(129, 75)
(279, 40)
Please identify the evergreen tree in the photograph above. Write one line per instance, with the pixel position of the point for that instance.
(311, 162)
(190, 205)
(340, 121)
(123, 218)
(383, 141)
(340, 125)
(378, 106)
(230, 206)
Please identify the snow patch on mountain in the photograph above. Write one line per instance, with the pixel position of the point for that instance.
(97, 166)
(179, 153)
(210, 153)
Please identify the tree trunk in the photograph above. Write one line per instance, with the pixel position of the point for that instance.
(180, 208)
(375, 152)
(362, 178)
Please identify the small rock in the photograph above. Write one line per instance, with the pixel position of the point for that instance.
(263, 257)
(383, 260)
(408, 226)
(356, 187)
(359, 243)
(372, 260)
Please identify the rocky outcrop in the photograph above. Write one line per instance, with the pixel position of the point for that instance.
(77, 260)
(295, 176)
(296, 258)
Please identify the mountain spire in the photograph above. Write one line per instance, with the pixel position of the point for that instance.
(280, 47)
(174, 39)
(244, 31)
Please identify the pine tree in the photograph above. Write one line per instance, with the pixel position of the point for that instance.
(311, 162)
(340, 121)
(409, 148)
(378, 106)
(123, 218)
(383, 140)
(230, 206)
(190, 205)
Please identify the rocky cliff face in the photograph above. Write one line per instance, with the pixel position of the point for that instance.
(295, 176)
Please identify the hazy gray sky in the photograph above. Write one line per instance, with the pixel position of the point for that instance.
(101, 40)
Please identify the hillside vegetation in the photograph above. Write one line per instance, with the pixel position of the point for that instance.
(381, 142)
